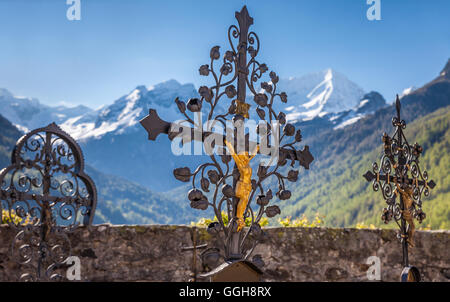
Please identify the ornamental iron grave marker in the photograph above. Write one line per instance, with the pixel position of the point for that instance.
(44, 195)
(236, 187)
(398, 162)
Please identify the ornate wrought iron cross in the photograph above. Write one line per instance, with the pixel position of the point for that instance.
(44, 195)
(399, 175)
(228, 181)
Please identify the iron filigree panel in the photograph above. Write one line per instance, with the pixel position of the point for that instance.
(45, 194)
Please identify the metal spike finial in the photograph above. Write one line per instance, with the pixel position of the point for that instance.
(245, 21)
(398, 106)
(244, 18)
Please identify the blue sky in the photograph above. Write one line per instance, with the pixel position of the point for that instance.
(118, 45)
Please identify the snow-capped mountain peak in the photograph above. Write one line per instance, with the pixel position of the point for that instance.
(369, 103)
(317, 94)
(324, 94)
(407, 91)
(446, 71)
(125, 113)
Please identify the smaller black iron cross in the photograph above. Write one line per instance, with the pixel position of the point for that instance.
(399, 160)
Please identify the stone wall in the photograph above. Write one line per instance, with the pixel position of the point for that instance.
(154, 253)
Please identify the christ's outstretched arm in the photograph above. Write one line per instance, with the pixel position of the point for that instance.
(236, 158)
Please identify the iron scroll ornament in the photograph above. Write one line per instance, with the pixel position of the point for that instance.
(399, 175)
(218, 178)
(45, 194)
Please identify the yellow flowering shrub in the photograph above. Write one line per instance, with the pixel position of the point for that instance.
(13, 218)
(301, 222)
(362, 225)
(204, 222)
(425, 228)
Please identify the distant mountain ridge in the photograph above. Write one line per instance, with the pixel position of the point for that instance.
(116, 144)
(325, 94)
(333, 186)
(316, 95)
(364, 134)
(126, 112)
(29, 113)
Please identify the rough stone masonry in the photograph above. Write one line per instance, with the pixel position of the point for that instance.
(153, 253)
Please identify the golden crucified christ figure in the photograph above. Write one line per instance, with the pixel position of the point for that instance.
(408, 212)
(244, 184)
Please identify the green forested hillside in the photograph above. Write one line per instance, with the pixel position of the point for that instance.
(334, 185)
(9, 134)
(341, 194)
(124, 202)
